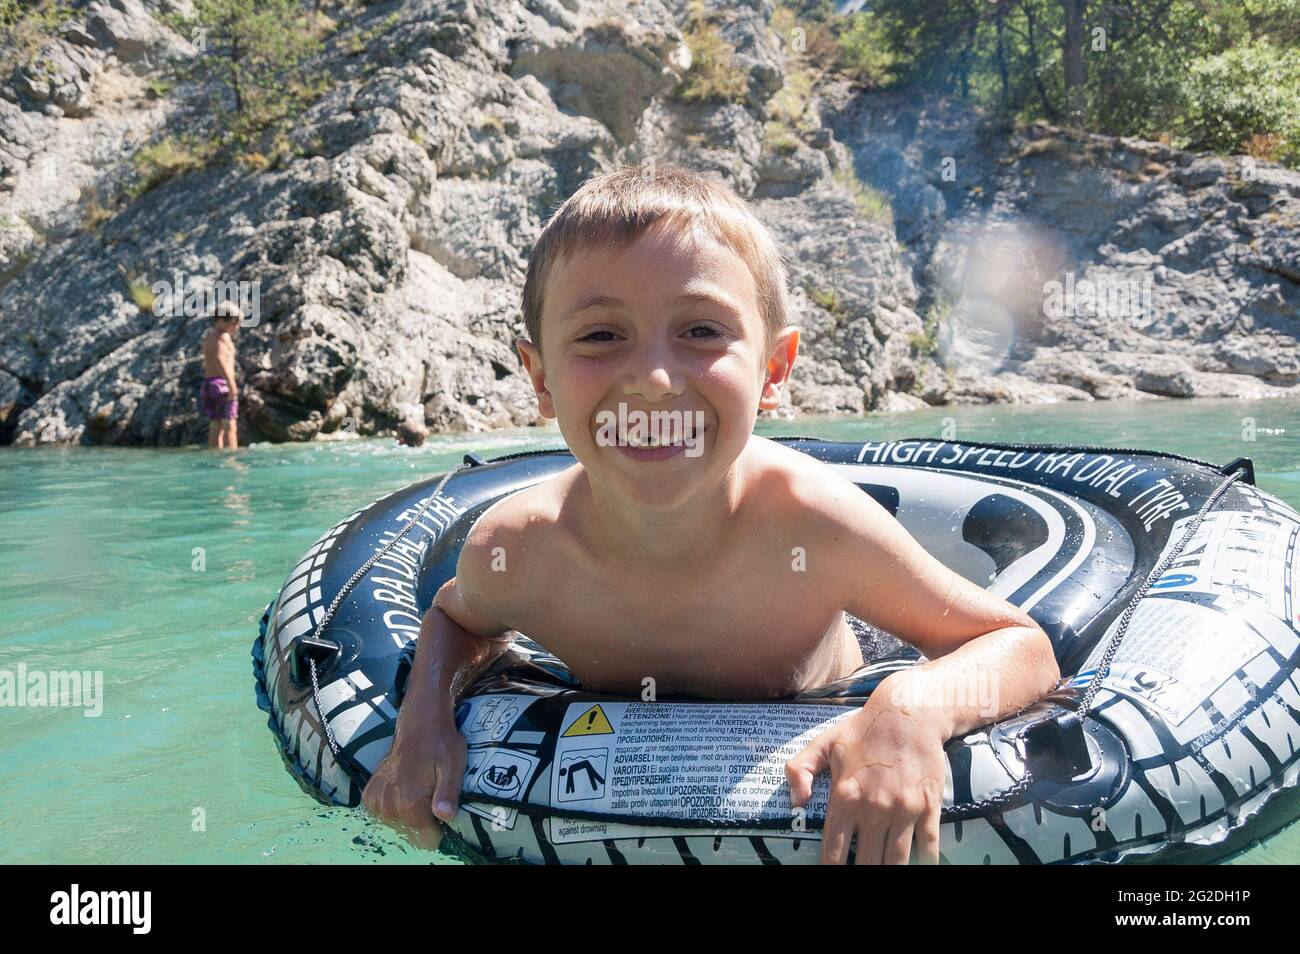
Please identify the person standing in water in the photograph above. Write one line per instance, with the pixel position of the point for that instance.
(219, 394)
(411, 433)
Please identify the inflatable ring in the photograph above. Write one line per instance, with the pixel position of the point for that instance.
(1169, 588)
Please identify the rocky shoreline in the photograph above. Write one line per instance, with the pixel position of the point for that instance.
(389, 246)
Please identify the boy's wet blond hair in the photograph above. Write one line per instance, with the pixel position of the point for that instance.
(615, 208)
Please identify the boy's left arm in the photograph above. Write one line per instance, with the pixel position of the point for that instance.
(986, 659)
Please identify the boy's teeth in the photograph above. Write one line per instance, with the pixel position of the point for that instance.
(674, 440)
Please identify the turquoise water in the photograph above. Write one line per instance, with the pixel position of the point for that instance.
(99, 571)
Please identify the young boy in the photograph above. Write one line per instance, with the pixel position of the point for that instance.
(219, 395)
(719, 563)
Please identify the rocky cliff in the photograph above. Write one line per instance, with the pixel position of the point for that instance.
(1185, 270)
(389, 243)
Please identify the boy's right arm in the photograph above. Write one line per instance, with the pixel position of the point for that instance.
(420, 779)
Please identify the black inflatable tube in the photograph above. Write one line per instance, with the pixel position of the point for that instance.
(338, 779)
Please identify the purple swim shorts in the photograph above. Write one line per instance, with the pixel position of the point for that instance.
(218, 404)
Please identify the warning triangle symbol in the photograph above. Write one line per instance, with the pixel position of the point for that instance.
(591, 722)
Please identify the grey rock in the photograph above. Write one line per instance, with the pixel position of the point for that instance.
(75, 32)
(62, 75)
(792, 173)
(1008, 388)
(854, 349)
(19, 134)
(896, 402)
(18, 242)
(1179, 258)
(126, 28)
(609, 71)
(13, 397)
(388, 258)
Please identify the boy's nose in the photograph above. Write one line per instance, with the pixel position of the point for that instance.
(652, 375)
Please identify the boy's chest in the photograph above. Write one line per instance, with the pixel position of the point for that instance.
(744, 629)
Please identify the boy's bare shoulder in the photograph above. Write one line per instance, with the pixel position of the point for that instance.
(791, 482)
(495, 573)
(519, 518)
(807, 500)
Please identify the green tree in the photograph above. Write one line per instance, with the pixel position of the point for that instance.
(1246, 99)
(253, 55)
(1201, 73)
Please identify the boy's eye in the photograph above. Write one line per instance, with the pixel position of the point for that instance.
(712, 332)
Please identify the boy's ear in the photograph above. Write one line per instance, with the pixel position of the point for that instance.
(779, 364)
(532, 359)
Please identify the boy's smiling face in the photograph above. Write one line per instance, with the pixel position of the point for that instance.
(669, 322)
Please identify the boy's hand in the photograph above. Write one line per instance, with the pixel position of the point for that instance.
(419, 782)
(888, 771)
